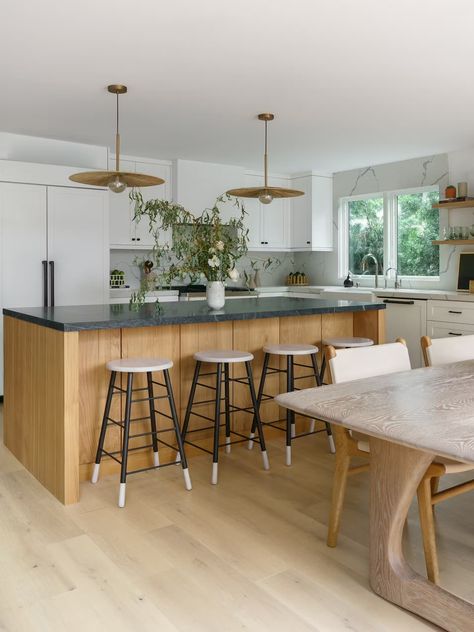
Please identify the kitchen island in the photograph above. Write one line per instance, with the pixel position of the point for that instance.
(56, 377)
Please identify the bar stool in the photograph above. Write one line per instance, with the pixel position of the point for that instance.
(290, 351)
(349, 342)
(131, 366)
(222, 360)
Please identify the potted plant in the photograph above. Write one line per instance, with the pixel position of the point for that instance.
(201, 246)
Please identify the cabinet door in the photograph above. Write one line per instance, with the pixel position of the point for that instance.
(121, 212)
(275, 220)
(22, 249)
(444, 330)
(142, 235)
(322, 214)
(407, 319)
(301, 215)
(78, 243)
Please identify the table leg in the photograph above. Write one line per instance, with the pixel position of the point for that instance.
(395, 474)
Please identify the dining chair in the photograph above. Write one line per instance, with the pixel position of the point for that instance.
(435, 352)
(346, 365)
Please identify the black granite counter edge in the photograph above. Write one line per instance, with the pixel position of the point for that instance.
(193, 318)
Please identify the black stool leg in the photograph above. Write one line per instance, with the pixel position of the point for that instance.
(192, 393)
(217, 419)
(290, 415)
(261, 387)
(323, 368)
(126, 433)
(227, 407)
(258, 421)
(154, 436)
(174, 415)
(103, 429)
(317, 376)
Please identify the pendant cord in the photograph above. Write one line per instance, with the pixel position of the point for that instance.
(117, 137)
(265, 158)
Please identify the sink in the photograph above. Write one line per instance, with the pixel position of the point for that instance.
(350, 294)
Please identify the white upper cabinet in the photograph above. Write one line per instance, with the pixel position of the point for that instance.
(269, 224)
(124, 232)
(312, 213)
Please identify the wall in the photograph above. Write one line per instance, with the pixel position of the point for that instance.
(431, 170)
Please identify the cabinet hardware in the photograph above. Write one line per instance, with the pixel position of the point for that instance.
(45, 283)
(450, 311)
(308, 242)
(133, 238)
(51, 280)
(451, 333)
(138, 238)
(392, 302)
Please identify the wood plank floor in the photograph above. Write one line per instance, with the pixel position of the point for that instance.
(248, 554)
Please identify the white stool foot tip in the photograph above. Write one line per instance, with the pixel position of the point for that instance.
(288, 455)
(156, 459)
(266, 463)
(187, 479)
(95, 473)
(215, 467)
(332, 447)
(121, 502)
(252, 435)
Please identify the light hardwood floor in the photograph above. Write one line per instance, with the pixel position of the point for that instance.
(247, 554)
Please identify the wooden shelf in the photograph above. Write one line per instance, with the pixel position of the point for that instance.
(453, 242)
(463, 204)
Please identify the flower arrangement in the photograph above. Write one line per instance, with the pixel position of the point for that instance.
(204, 245)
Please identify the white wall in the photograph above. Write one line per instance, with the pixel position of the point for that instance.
(440, 170)
(52, 152)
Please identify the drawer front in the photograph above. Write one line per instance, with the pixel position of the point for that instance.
(451, 312)
(446, 330)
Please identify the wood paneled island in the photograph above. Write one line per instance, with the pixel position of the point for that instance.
(56, 377)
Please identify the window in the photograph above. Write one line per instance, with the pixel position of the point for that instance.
(397, 227)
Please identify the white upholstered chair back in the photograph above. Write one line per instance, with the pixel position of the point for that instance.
(446, 350)
(355, 364)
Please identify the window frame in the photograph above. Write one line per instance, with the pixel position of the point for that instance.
(390, 232)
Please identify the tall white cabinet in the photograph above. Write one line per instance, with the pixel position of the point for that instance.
(46, 230)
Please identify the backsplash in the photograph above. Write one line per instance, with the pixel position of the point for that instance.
(275, 273)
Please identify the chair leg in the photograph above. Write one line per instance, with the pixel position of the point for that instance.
(323, 368)
(103, 429)
(428, 529)
(258, 421)
(187, 416)
(434, 485)
(317, 377)
(343, 460)
(290, 415)
(261, 388)
(227, 408)
(154, 436)
(174, 415)
(126, 433)
(217, 420)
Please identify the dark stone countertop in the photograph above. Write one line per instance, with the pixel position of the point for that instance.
(81, 317)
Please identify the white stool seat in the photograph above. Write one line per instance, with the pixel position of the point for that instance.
(223, 357)
(287, 350)
(348, 343)
(139, 365)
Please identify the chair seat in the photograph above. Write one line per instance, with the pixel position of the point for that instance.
(139, 365)
(224, 357)
(287, 350)
(348, 343)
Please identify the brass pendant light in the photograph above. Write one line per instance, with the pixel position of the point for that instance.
(117, 180)
(265, 194)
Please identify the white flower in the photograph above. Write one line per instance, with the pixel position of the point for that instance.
(213, 262)
(212, 251)
(220, 245)
(234, 274)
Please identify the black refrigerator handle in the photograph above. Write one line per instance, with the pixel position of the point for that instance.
(45, 283)
(51, 279)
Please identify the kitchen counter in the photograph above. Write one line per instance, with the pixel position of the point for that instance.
(56, 377)
(87, 317)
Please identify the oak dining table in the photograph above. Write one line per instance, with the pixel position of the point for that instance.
(410, 417)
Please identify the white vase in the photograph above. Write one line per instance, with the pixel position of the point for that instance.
(215, 294)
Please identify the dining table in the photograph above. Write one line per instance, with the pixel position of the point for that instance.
(410, 417)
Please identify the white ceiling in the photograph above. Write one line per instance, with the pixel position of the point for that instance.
(352, 83)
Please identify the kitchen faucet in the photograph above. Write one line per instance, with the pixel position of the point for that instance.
(365, 258)
(397, 283)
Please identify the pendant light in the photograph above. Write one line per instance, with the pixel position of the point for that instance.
(117, 180)
(265, 194)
